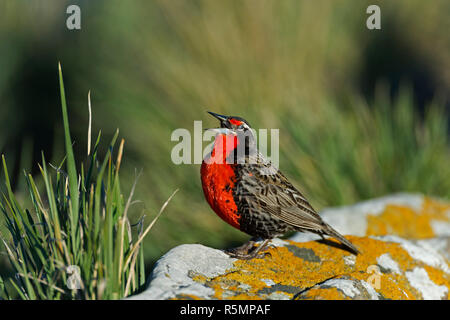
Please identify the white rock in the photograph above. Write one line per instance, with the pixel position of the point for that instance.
(419, 279)
(440, 228)
(350, 260)
(346, 286)
(304, 237)
(420, 252)
(278, 242)
(268, 282)
(388, 263)
(441, 245)
(278, 296)
(170, 276)
(373, 294)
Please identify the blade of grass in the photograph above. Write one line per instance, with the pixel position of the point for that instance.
(71, 168)
(137, 243)
(90, 124)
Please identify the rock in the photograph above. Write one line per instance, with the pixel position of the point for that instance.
(426, 218)
(404, 242)
(174, 274)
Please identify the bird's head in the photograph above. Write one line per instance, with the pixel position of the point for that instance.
(234, 133)
(230, 124)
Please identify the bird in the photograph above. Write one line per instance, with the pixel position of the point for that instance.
(248, 192)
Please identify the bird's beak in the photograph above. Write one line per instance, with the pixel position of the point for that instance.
(223, 120)
(218, 116)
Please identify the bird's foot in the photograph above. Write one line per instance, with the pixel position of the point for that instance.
(248, 251)
(247, 256)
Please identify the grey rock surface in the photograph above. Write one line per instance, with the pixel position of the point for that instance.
(194, 271)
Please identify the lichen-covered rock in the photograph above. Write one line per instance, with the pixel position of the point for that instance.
(410, 216)
(404, 242)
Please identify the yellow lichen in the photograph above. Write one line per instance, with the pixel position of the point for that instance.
(292, 272)
(199, 278)
(407, 222)
(325, 294)
(285, 269)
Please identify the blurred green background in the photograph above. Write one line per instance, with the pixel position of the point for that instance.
(362, 113)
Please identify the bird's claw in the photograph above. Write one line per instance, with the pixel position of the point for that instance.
(248, 256)
(247, 252)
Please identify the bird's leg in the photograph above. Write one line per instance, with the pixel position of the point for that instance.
(244, 254)
(241, 250)
(261, 248)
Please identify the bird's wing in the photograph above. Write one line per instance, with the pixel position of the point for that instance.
(274, 194)
(266, 189)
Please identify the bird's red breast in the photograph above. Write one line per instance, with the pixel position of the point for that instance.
(218, 179)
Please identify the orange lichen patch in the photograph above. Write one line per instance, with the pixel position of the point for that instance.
(390, 286)
(407, 222)
(299, 266)
(281, 267)
(438, 208)
(199, 278)
(325, 294)
(286, 269)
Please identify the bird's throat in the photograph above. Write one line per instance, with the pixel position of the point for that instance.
(224, 145)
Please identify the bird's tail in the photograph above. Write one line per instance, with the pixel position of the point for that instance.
(333, 233)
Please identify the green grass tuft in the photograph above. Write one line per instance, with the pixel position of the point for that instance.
(76, 242)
